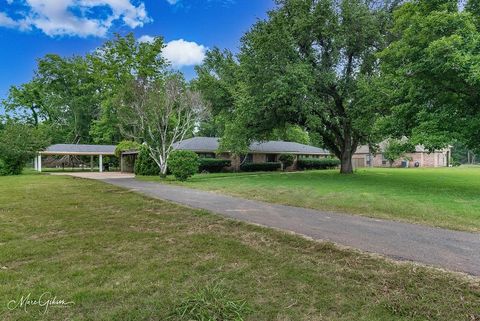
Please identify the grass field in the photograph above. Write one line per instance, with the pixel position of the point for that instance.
(120, 256)
(443, 197)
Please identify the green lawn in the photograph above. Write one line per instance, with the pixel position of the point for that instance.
(120, 256)
(444, 197)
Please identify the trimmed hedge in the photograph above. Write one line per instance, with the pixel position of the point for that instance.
(261, 167)
(213, 165)
(317, 163)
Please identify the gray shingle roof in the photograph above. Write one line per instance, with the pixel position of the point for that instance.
(211, 144)
(80, 149)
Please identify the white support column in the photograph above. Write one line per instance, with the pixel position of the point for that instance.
(35, 163)
(100, 163)
(39, 164)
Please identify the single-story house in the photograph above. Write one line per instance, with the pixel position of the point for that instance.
(420, 157)
(259, 152)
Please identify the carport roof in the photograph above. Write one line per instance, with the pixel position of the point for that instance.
(79, 149)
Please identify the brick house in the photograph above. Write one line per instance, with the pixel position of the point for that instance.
(421, 157)
(259, 152)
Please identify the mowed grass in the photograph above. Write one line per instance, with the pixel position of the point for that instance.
(121, 256)
(443, 197)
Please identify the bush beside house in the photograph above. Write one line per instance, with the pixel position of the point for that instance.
(183, 164)
(313, 163)
(287, 160)
(213, 165)
(261, 167)
(145, 165)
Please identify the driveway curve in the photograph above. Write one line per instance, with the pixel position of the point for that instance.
(452, 250)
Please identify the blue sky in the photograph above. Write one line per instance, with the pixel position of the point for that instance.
(29, 29)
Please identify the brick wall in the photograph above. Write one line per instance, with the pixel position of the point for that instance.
(436, 159)
(259, 158)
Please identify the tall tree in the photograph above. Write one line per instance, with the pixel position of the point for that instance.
(62, 94)
(159, 113)
(76, 95)
(304, 66)
(27, 102)
(217, 80)
(115, 63)
(430, 80)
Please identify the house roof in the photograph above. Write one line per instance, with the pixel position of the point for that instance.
(79, 149)
(211, 145)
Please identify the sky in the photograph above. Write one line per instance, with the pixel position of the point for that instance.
(30, 29)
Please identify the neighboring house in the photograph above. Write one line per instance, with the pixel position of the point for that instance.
(259, 152)
(421, 157)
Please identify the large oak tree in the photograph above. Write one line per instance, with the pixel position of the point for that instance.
(430, 74)
(307, 65)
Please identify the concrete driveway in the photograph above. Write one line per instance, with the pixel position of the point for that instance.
(453, 250)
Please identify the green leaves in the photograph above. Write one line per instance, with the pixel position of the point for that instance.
(77, 95)
(432, 71)
(183, 164)
(395, 149)
(302, 66)
(18, 144)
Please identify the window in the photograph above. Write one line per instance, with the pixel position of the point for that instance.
(206, 155)
(384, 160)
(246, 159)
(271, 158)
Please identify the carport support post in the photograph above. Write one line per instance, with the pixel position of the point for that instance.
(100, 163)
(39, 163)
(35, 163)
(91, 163)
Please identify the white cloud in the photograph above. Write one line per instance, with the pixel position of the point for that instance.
(146, 38)
(77, 17)
(184, 53)
(6, 21)
(222, 2)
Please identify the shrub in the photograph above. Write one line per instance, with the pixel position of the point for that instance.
(126, 145)
(211, 303)
(261, 167)
(144, 164)
(11, 167)
(18, 144)
(183, 164)
(315, 163)
(286, 159)
(213, 165)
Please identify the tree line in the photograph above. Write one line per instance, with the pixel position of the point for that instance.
(333, 73)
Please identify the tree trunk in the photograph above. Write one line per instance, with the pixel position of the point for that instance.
(163, 170)
(346, 166)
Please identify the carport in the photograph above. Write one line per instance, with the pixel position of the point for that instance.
(76, 150)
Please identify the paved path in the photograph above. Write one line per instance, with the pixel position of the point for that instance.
(458, 251)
